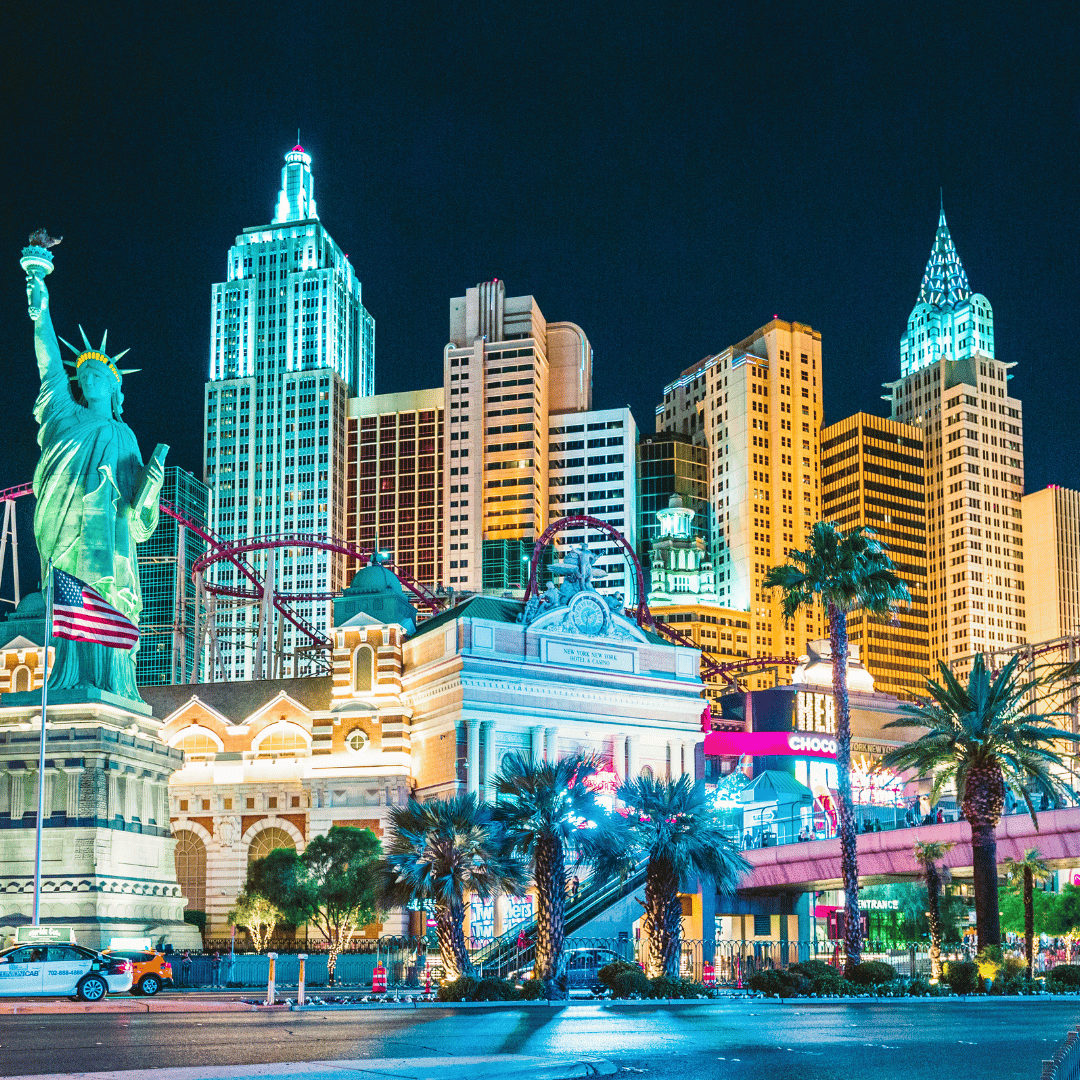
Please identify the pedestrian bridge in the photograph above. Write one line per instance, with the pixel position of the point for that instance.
(889, 856)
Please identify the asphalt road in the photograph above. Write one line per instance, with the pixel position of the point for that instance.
(747, 1041)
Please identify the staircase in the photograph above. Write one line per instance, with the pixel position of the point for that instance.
(500, 957)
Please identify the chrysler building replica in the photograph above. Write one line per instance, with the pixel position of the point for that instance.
(954, 388)
(290, 343)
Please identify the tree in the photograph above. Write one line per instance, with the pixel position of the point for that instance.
(980, 738)
(441, 851)
(675, 825)
(929, 854)
(333, 886)
(846, 572)
(257, 915)
(551, 820)
(1023, 874)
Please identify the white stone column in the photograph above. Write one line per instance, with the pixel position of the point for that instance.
(618, 757)
(114, 807)
(49, 781)
(148, 810)
(17, 782)
(472, 754)
(552, 745)
(633, 766)
(489, 759)
(538, 743)
(74, 781)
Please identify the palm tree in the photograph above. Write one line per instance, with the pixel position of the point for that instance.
(1025, 873)
(929, 854)
(845, 572)
(440, 851)
(981, 738)
(552, 821)
(675, 825)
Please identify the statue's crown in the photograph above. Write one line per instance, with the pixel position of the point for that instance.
(99, 354)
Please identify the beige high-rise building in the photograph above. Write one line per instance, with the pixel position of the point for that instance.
(507, 370)
(1052, 527)
(757, 408)
(956, 392)
(872, 471)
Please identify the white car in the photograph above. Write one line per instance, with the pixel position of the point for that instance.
(62, 971)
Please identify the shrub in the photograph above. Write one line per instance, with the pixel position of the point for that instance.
(1063, 977)
(814, 969)
(532, 989)
(962, 976)
(630, 982)
(195, 918)
(663, 987)
(782, 983)
(610, 972)
(918, 988)
(873, 973)
(461, 989)
(496, 990)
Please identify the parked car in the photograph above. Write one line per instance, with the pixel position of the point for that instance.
(582, 968)
(150, 970)
(62, 971)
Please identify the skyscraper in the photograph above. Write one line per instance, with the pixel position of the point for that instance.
(290, 343)
(1052, 524)
(955, 391)
(756, 408)
(167, 626)
(872, 475)
(669, 463)
(507, 371)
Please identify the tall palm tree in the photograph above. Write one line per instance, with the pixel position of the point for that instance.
(676, 826)
(552, 821)
(929, 854)
(1024, 873)
(845, 572)
(981, 737)
(441, 851)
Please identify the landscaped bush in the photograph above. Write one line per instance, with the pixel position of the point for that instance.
(873, 973)
(461, 989)
(630, 982)
(962, 976)
(1063, 977)
(496, 990)
(781, 983)
(532, 989)
(610, 972)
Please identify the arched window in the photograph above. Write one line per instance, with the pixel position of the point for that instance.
(191, 869)
(363, 668)
(646, 772)
(269, 840)
(20, 680)
(283, 739)
(198, 742)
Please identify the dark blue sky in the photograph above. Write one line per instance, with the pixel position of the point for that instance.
(668, 177)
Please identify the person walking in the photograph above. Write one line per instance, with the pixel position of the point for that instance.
(185, 969)
(574, 886)
(939, 818)
(215, 970)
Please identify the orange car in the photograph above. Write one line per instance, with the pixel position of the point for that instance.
(150, 970)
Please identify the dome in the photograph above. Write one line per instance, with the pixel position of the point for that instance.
(375, 591)
(32, 606)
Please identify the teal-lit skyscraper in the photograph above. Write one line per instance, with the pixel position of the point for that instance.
(167, 628)
(290, 343)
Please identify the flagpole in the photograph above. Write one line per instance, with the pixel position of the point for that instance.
(41, 751)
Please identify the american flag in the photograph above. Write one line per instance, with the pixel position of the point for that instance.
(80, 614)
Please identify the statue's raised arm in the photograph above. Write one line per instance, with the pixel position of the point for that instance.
(37, 262)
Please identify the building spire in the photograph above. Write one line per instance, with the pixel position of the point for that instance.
(944, 282)
(296, 200)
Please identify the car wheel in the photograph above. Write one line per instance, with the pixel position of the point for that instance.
(149, 985)
(92, 988)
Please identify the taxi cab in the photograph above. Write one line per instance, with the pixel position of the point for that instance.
(61, 970)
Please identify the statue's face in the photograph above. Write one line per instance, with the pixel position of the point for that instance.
(96, 382)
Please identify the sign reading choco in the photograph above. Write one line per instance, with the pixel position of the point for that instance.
(769, 744)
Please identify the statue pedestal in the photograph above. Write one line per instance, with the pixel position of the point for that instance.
(107, 848)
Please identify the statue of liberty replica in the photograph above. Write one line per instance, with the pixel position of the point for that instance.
(95, 499)
(106, 861)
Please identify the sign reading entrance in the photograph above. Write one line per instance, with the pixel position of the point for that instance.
(602, 657)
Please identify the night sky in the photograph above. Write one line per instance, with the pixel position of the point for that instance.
(666, 177)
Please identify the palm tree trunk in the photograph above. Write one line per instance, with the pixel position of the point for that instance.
(849, 851)
(984, 798)
(549, 874)
(449, 923)
(1029, 920)
(663, 918)
(933, 898)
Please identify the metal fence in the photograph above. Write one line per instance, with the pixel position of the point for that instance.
(1065, 1064)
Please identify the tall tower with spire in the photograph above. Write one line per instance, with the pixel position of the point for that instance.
(290, 343)
(956, 392)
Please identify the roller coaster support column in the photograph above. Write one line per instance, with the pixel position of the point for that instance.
(178, 661)
(8, 530)
(200, 599)
(263, 650)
